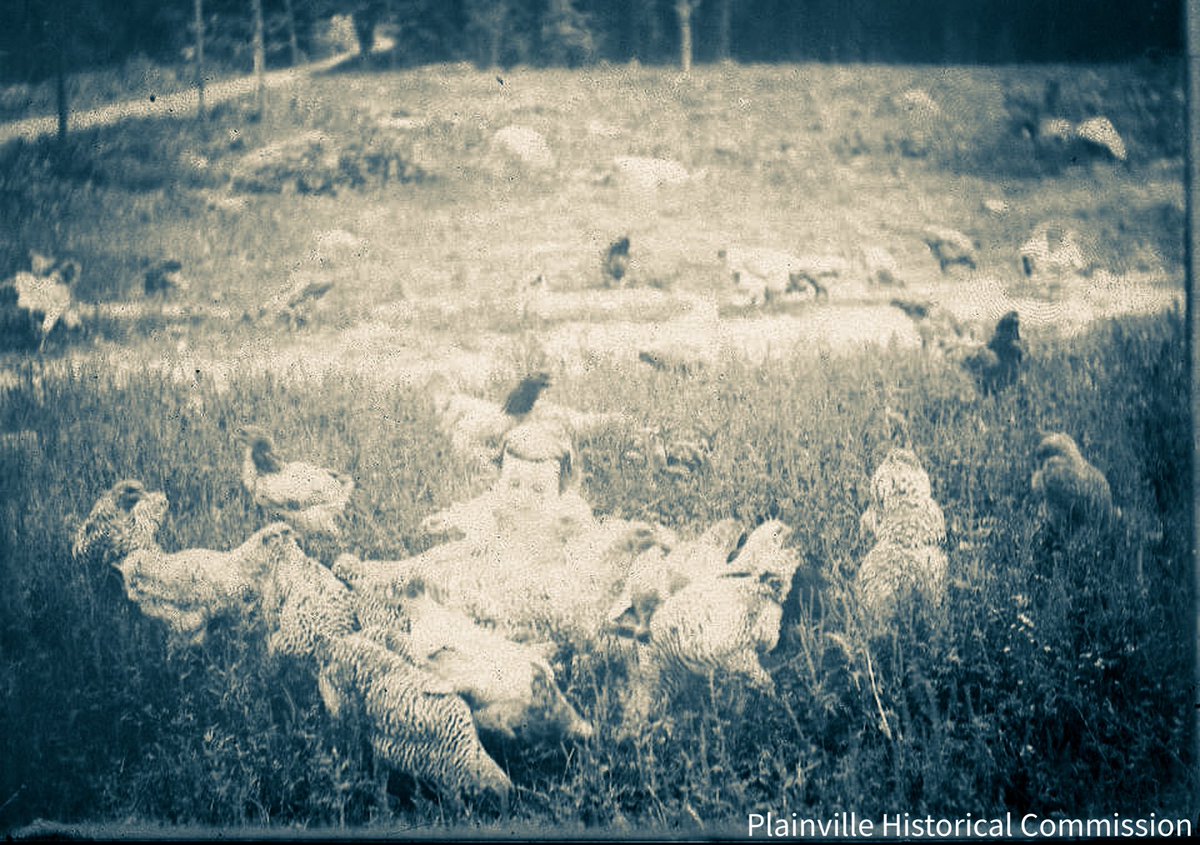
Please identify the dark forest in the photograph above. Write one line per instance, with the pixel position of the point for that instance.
(86, 34)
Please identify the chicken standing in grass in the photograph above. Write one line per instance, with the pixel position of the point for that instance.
(125, 518)
(616, 260)
(998, 364)
(721, 621)
(45, 293)
(909, 528)
(767, 273)
(523, 397)
(655, 578)
(509, 686)
(293, 305)
(949, 246)
(307, 608)
(416, 722)
(937, 326)
(188, 589)
(1071, 492)
(1052, 250)
(307, 496)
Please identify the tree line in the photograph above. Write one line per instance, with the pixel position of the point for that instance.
(40, 35)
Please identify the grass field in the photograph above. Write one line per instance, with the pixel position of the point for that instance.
(1056, 689)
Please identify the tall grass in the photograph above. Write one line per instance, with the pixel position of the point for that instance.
(1059, 684)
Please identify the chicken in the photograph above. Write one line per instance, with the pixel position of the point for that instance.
(767, 273)
(616, 260)
(125, 518)
(1052, 249)
(655, 578)
(309, 497)
(522, 398)
(534, 587)
(45, 293)
(907, 562)
(1071, 492)
(509, 686)
(666, 362)
(721, 621)
(292, 305)
(997, 365)
(307, 607)
(937, 326)
(415, 721)
(188, 589)
(898, 480)
(949, 246)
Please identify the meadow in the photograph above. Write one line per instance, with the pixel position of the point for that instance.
(1056, 689)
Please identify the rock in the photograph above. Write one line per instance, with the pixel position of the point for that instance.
(1055, 130)
(650, 172)
(525, 144)
(1099, 132)
(918, 101)
(1096, 135)
(881, 267)
(336, 246)
(1052, 249)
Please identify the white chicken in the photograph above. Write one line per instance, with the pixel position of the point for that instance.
(46, 292)
(189, 589)
(309, 497)
(767, 273)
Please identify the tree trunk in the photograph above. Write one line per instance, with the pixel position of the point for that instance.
(684, 9)
(495, 30)
(60, 67)
(488, 23)
(289, 11)
(647, 31)
(260, 57)
(364, 19)
(60, 91)
(724, 30)
(198, 25)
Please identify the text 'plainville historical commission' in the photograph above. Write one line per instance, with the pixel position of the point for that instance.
(906, 826)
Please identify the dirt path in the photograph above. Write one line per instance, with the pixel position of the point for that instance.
(181, 104)
(696, 336)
